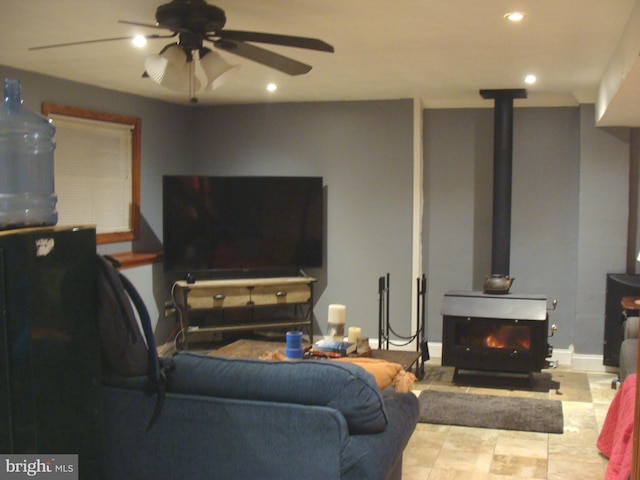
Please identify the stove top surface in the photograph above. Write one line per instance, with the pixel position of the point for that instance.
(460, 303)
(480, 294)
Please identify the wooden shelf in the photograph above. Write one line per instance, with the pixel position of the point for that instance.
(136, 259)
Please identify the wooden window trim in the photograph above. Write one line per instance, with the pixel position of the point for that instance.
(134, 214)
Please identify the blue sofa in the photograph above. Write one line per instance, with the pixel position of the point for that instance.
(229, 418)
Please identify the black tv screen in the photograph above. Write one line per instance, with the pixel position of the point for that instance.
(213, 223)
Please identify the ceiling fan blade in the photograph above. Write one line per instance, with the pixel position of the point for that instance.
(101, 40)
(275, 39)
(140, 24)
(265, 57)
(155, 25)
(79, 43)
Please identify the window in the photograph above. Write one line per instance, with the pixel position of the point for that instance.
(97, 171)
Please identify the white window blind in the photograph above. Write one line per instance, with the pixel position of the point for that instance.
(93, 173)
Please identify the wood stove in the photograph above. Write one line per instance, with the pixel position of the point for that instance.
(497, 333)
(495, 330)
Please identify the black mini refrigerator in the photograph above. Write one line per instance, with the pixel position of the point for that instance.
(49, 345)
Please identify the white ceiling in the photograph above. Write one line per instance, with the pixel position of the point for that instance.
(440, 51)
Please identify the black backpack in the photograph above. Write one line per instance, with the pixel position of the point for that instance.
(123, 348)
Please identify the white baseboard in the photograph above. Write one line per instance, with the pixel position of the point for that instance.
(563, 356)
(588, 363)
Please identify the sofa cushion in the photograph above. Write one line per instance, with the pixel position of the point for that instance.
(345, 387)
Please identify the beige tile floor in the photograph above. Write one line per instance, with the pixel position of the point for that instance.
(443, 452)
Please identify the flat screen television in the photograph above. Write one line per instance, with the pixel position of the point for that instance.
(246, 224)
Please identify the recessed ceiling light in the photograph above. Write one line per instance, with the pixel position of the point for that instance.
(515, 16)
(139, 41)
(530, 79)
(272, 87)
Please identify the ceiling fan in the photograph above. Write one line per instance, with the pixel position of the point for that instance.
(195, 22)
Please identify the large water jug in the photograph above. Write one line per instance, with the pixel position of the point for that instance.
(27, 196)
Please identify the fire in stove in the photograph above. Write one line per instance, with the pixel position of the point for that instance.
(495, 336)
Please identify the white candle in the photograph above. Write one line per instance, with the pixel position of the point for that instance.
(354, 334)
(337, 313)
(337, 318)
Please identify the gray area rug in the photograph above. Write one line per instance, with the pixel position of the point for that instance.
(491, 411)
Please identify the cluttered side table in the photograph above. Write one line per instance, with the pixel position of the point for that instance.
(246, 348)
(388, 367)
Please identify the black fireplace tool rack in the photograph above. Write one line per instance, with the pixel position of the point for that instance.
(384, 323)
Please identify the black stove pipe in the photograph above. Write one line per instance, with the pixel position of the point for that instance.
(502, 172)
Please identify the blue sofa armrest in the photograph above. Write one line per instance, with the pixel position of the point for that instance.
(345, 387)
(372, 456)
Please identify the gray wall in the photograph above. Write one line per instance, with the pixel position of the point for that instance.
(569, 212)
(603, 221)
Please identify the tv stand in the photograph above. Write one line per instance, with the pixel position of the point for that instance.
(243, 305)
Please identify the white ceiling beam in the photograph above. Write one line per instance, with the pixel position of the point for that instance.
(619, 85)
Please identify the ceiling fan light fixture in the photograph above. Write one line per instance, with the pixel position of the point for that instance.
(169, 68)
(139, 41)
(216, 69)
(515, 16)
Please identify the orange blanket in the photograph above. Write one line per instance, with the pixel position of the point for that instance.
(385, 373)
(616, 438)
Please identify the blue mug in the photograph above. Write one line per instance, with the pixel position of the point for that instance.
(294, 345)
